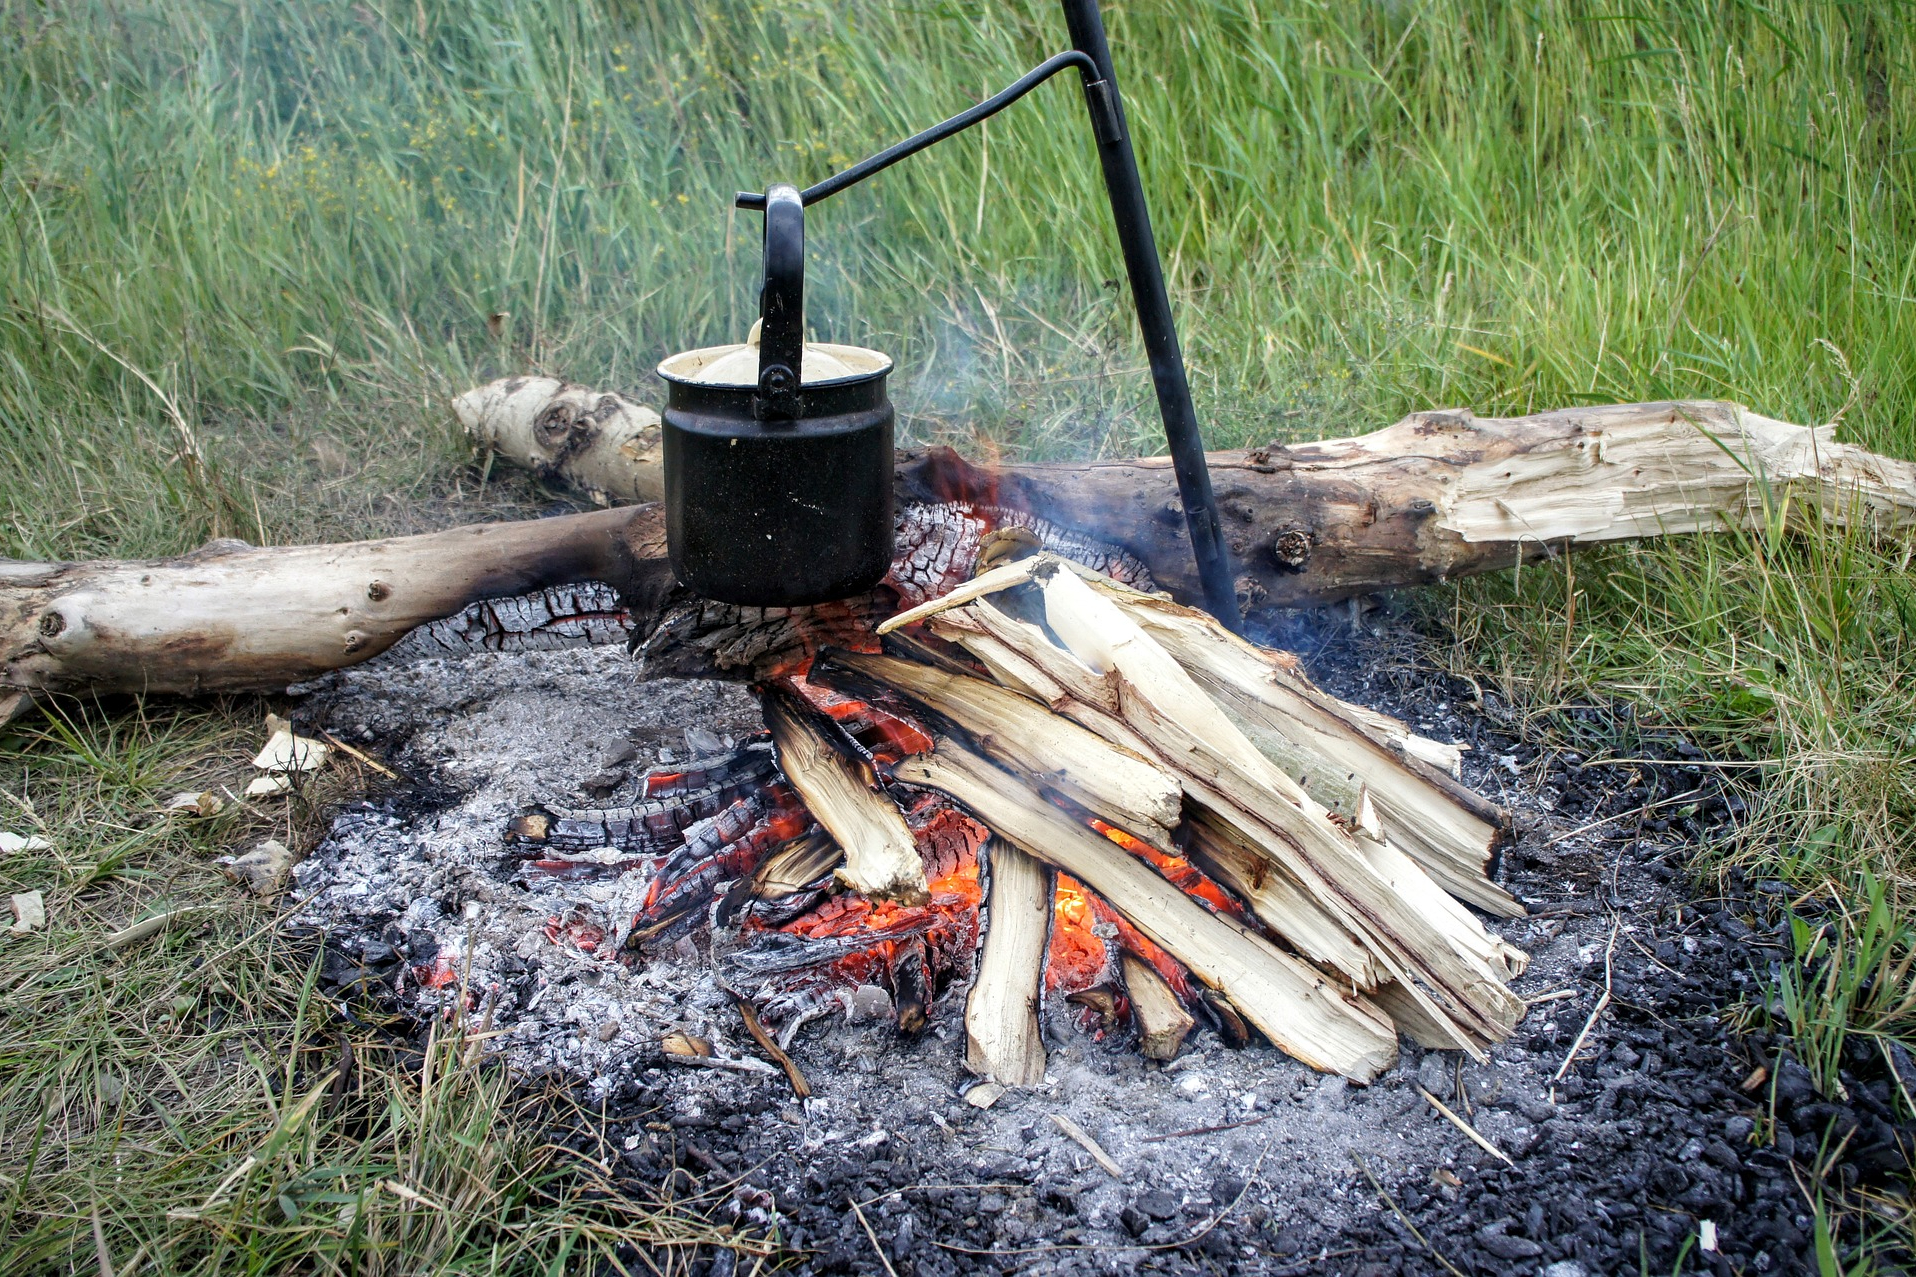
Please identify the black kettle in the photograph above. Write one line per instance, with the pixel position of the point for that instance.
(778, 457)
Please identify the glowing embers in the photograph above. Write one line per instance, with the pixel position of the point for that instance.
(797, 969)
(1178, 871)
(1078, 957)
(885, 736)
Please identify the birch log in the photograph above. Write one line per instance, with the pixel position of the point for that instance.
(603, 444)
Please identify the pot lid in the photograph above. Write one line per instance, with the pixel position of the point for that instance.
(737, 364)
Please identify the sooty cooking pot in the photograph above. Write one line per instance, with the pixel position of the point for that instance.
(778, 453)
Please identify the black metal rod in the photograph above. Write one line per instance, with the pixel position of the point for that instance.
(1092, 57)
(1153, 301)
(938, 132)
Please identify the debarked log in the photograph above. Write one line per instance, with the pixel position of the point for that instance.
(1438, 495)
(231, 617)
(1441, 494)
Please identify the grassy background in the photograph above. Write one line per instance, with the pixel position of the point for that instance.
(280, 229)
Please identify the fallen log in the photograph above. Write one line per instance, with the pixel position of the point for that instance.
(1441, 494)
(1436, 496)
(230, 616)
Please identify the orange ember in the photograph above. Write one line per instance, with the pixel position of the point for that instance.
(1078, 957)
(887, 736)
(1180, 872)
(1175, 973)
(949, 841)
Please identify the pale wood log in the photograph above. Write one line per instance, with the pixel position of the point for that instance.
(842, 793)
(1002, 1037)
(1018, 733)
(1162, 1020)
(603, 444)
(231, 616)
(1297, 1007)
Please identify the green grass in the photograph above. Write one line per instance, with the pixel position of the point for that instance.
(247, 250)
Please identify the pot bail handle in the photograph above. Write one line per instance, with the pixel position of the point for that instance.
(781, 305)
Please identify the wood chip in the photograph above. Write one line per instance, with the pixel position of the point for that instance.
(748, 1013)
(29, 912)
(685, 1045)
(1091, 1146)
(985, 1094)
(262, 870)
(194, 802)
(365, 758)
(285, 752)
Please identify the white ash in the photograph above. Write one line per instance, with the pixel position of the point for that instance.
(491, 734)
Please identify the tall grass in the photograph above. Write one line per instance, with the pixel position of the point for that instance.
(247, 248)
(1364, 209)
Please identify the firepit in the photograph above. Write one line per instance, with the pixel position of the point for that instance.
(1243, 1154)
(1048, 785)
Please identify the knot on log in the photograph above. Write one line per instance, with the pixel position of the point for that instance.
(1291, 549)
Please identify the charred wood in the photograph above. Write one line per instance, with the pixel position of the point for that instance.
(843, 793)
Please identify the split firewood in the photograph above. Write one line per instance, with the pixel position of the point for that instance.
(1337, 752)
(1295, 1006)
(795, 867)
(1110, 672)
(602, 444)
(1162, 1020)
(842, 793)
(1436, 496)
(1002, 1039)
(1018, 733)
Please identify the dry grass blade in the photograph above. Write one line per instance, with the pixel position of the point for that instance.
(1466, 1128)
(1082, 1138)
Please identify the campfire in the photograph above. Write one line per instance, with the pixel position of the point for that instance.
(1046, 783)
